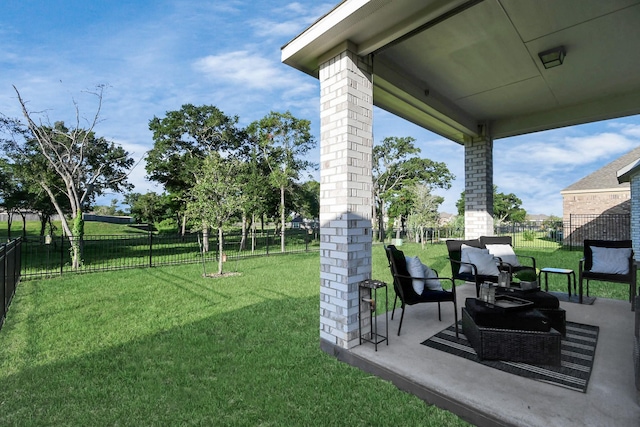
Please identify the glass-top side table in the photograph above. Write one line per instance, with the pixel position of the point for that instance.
(372, 301)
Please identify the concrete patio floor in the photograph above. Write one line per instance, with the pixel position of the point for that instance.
(485, 396)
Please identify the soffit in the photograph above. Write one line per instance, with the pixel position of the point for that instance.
(475, 66)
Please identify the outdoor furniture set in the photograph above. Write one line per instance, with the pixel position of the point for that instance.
(515, 321)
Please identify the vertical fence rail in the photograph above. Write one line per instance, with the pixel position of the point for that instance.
(10, 268)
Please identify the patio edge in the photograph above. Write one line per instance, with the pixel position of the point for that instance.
(432, 397)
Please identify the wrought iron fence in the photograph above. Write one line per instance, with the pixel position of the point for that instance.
(43, 257)
(548, 235)
(598, 227)
(569, 234)
(10, 260)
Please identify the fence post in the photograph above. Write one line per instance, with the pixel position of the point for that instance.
(150, 247)
(3, 280)
(267, 242)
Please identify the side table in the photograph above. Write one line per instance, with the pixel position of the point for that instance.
(567, 272)
(372, 300)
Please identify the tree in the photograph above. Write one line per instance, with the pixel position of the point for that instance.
(151, 208)
(396, 164)
(79, 165)
(283, 141)
(506, 207)
(13, 195)
(308, 199)
(182, 140)
(216, 196)
(424, 214)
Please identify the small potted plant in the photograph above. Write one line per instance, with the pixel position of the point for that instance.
(528, 279)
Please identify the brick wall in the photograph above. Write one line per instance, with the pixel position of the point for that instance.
(615, 201)
(635, 218)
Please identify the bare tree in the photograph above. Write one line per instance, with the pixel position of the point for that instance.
(84, 166)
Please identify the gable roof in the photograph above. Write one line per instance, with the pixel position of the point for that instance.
(605, 178)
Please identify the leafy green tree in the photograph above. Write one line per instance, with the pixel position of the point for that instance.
(182, 140)
(78, 165)
(260, 198)
(151, 208)
(13, 195)
(506, 207)
(283, 140)
(424, 213)
(395, 165)
(308, 199)
(217, 195)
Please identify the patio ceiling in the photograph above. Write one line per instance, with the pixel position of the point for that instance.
(454, 66)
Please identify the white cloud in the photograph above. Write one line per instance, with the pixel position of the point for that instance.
(293, 18)
(244, 69)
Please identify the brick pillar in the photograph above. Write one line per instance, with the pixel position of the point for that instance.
(478, 187)
(635, 216)
(346, 142)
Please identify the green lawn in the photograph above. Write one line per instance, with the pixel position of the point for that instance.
(166, 346)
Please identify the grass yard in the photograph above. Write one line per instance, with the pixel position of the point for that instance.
(165, 346)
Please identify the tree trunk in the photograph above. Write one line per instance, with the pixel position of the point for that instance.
(24, 225)
(43, 223)
(183, 229)
(75, 238)
(243, 239)
(282, 219)
(220, 249)
(205, 238)
(253, 234)
(381, 231)
(9, 221)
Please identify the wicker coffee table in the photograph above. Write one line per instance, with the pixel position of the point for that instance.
(516, 345)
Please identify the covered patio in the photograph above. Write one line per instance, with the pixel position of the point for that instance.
(472, 71)
(486, 396)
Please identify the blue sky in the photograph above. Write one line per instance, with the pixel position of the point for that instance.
(157, 55)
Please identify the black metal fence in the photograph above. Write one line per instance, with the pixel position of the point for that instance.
(45, 257)
(548, 235)
(569, 234)
(598, 227)
(10, 259)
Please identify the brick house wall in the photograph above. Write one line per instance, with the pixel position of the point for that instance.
(614, 201)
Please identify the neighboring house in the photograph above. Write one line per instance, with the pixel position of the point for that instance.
(599, 194)
(537, 219)
(631, 174)
(445, 218)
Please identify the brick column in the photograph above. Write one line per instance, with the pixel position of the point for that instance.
(346, 142)
(478, 187)
(635, 216)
